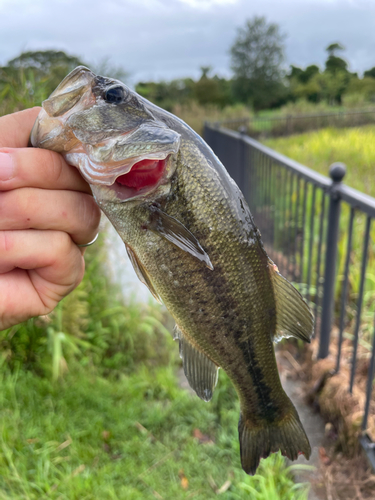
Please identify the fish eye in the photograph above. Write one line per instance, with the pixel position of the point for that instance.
(115, 94)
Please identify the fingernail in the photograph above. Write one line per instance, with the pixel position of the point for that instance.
(6, 167)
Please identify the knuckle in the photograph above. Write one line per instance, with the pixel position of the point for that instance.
(63, 243)
(70, 262)
(54, 165)
(90, 213)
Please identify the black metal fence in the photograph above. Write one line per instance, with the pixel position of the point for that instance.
(274, 126)
(319, 232)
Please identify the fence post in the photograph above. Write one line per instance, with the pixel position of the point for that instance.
(337, 172)
(289, 119)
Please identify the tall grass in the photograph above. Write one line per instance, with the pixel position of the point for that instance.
(92, 326)
(318, 150)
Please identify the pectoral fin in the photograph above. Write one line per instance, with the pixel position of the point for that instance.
(293, 315)
(174, 231)
(141, 272)
(200, 371)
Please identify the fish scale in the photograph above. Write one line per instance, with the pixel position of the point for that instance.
(192, 240)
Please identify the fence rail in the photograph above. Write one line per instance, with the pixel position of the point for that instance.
(320, 234)
(275, 126)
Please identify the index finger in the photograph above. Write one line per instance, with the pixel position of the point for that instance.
(15, 128)
(33, 167)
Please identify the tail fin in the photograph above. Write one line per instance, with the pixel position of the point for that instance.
(286, 435)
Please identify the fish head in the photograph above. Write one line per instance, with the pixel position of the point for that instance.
(110, 134)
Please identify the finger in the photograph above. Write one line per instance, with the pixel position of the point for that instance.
(38, 269)
(15, 128)
(28, 208)
(38, 168)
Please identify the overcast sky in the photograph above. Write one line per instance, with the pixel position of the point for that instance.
(164, 39)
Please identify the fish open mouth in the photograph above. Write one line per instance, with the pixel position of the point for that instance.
(143, 174)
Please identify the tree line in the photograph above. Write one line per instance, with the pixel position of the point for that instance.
(260, 79)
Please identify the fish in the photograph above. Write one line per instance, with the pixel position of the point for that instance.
(192, 240)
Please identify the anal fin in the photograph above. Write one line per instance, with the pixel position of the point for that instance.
(201, 372)
(293, 315)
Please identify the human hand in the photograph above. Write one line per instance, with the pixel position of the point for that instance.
(46, 209)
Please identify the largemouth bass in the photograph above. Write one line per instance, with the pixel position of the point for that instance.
(192, 240)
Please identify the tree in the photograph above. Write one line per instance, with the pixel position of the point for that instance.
(210, 90)
(370, 73)
(309, 73)
(364, 89)
(295, 73)
(54, 65)
(44, 61)
(303, 83)
(39, 71)
(336, 75)
(333, 85)
(205, 70)
(167, 94)
(256, 57)
(333, 63)
(31, 77)
(333, 47)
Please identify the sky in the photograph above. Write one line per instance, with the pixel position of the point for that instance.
(165, 39)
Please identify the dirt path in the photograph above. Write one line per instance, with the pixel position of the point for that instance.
(313, 425)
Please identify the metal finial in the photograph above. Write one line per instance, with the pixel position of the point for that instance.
(337, 171)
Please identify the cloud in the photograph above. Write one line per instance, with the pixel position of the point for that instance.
(204, 4)
(163, 39)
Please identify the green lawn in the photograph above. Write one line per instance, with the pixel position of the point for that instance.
(135, 436)
(318, 150)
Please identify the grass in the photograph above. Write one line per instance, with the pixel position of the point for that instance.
(356, 148)
(318, 150)
(136, 436)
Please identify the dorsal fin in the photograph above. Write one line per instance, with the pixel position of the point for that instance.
(293, 315)
(200, 371)
(141, 272)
